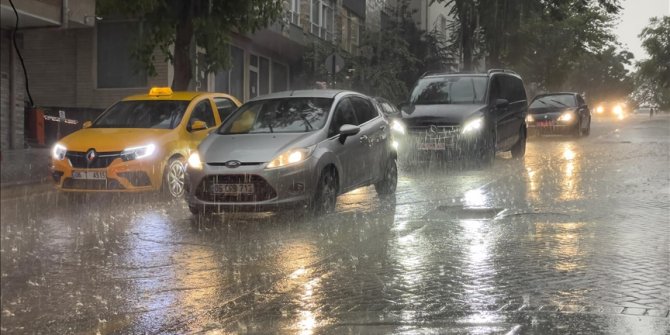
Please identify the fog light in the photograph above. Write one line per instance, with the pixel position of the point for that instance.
(297, 188)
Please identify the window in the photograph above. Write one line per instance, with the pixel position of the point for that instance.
(285, 115)
(580, 100)
(322, 19)
(279, 77)
(363, 109)
(160, 114)
(344, 114)
(294, 13)
(225, 107)
(350, 32)
(264, 76)
(115, 66)
(203, 112)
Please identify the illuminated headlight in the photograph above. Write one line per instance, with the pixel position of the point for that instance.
(397, 126)
(194, 161)
(566, 117)
(618, 110)
(530, 118)
(138, 152)
(600, 109)
(58, 152)
(290, 157)
(473, 125)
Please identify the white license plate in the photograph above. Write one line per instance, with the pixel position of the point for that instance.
(432, 146)
(94, 175)
(233, 189)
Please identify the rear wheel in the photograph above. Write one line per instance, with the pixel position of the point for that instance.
(173, 180)
(326, 193)
(390, 179)
(519, 149)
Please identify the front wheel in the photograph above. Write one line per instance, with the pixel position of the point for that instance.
(519, 149)
(390, 179)
(173, 181)
(326, 193)
(587, 131)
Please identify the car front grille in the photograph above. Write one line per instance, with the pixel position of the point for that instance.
(262, 189)
(102, 160)
(434, 131)
(96, 185)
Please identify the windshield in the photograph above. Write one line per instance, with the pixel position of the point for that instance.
(561, 100)
(286, 115)
(158, 114)
(450, 90)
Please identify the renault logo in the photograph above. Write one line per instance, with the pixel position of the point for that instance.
(232, 164)
(90, 155)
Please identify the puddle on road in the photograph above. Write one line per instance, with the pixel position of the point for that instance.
(463, 213)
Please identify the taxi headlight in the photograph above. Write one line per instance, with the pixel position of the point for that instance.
(290, 157)
(138, 152)
(58, 152)
(473, 125)
(566, 117)
(194, 161)
(398, 126)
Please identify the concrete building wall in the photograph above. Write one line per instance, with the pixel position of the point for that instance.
(12, 94)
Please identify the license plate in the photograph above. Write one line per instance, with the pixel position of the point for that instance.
(93, 175)
(432, 146)
(543, 123)
(233, 189)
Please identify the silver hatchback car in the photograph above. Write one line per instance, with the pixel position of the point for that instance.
(293, 148)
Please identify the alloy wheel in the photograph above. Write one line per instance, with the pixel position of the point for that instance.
(175, 178)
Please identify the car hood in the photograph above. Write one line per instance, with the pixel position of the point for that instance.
(251, 148)
(425, 115)
(112, 139)
(550, 112)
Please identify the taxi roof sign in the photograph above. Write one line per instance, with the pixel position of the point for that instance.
(156, 91)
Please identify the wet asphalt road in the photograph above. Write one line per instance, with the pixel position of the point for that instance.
(572, 239)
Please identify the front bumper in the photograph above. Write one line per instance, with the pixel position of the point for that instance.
(118, 176)
(551, 126)
(272, 189)
(415, 145)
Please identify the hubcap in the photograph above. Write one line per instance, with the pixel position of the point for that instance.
(176, 179)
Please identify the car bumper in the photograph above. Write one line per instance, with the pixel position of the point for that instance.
(551, 127)
(272, 188)
(119, 176)
(418, 145)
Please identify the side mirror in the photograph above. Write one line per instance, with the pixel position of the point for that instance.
(86, 124)
(502, 103)
(198, 125)
(348, 130)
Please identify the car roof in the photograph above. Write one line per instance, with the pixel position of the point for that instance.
(302, 94)
(557, 93)
(453, 74)
(179, 95)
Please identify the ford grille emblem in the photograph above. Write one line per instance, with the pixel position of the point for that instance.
(232, 164)
(90, 155)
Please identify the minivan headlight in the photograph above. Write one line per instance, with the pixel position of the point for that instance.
(290, 157)
(473, 125)
(58, 152)
(138, 152)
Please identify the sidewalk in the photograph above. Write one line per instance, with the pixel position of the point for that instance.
(24, 167)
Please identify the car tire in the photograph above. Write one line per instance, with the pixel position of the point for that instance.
(577, 132)
(174, 178)
(389, 181)
(325, 198)
(587, 132)
(519, 148)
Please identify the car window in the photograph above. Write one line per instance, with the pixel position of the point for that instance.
(363, 109)
(557, 100)
(283, 115)
(224, 107)
(203, 112)
(496, 92)
(580, 100)
(449, 90)
(161, 114)
(513, 89)
(390, 109)
(344, 114)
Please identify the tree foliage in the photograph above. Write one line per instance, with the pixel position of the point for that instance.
(654, 73)
(176, 27)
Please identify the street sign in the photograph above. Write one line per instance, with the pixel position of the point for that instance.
(334, 63)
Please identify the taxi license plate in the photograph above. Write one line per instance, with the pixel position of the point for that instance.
(233, 189)
(92, 175)
(432, 146)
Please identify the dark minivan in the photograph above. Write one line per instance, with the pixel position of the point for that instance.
(465, 114)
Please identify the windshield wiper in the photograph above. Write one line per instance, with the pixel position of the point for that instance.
(558, 102)
(308, 126)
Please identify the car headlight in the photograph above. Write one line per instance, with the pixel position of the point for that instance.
(58, 152)
(290, 157)
(600, 109)
(398, 126)
(473, 125)
(530, 118)
(138, 152)
(618, 110)
(194, 161)
(566, 117)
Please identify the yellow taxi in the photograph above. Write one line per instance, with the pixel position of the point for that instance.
(140, 143)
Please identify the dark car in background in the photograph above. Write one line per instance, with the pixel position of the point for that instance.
(559, 113)
(612, 109)
(465, 114)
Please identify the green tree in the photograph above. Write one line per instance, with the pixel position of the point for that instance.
(654, 73)
(183, 24)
